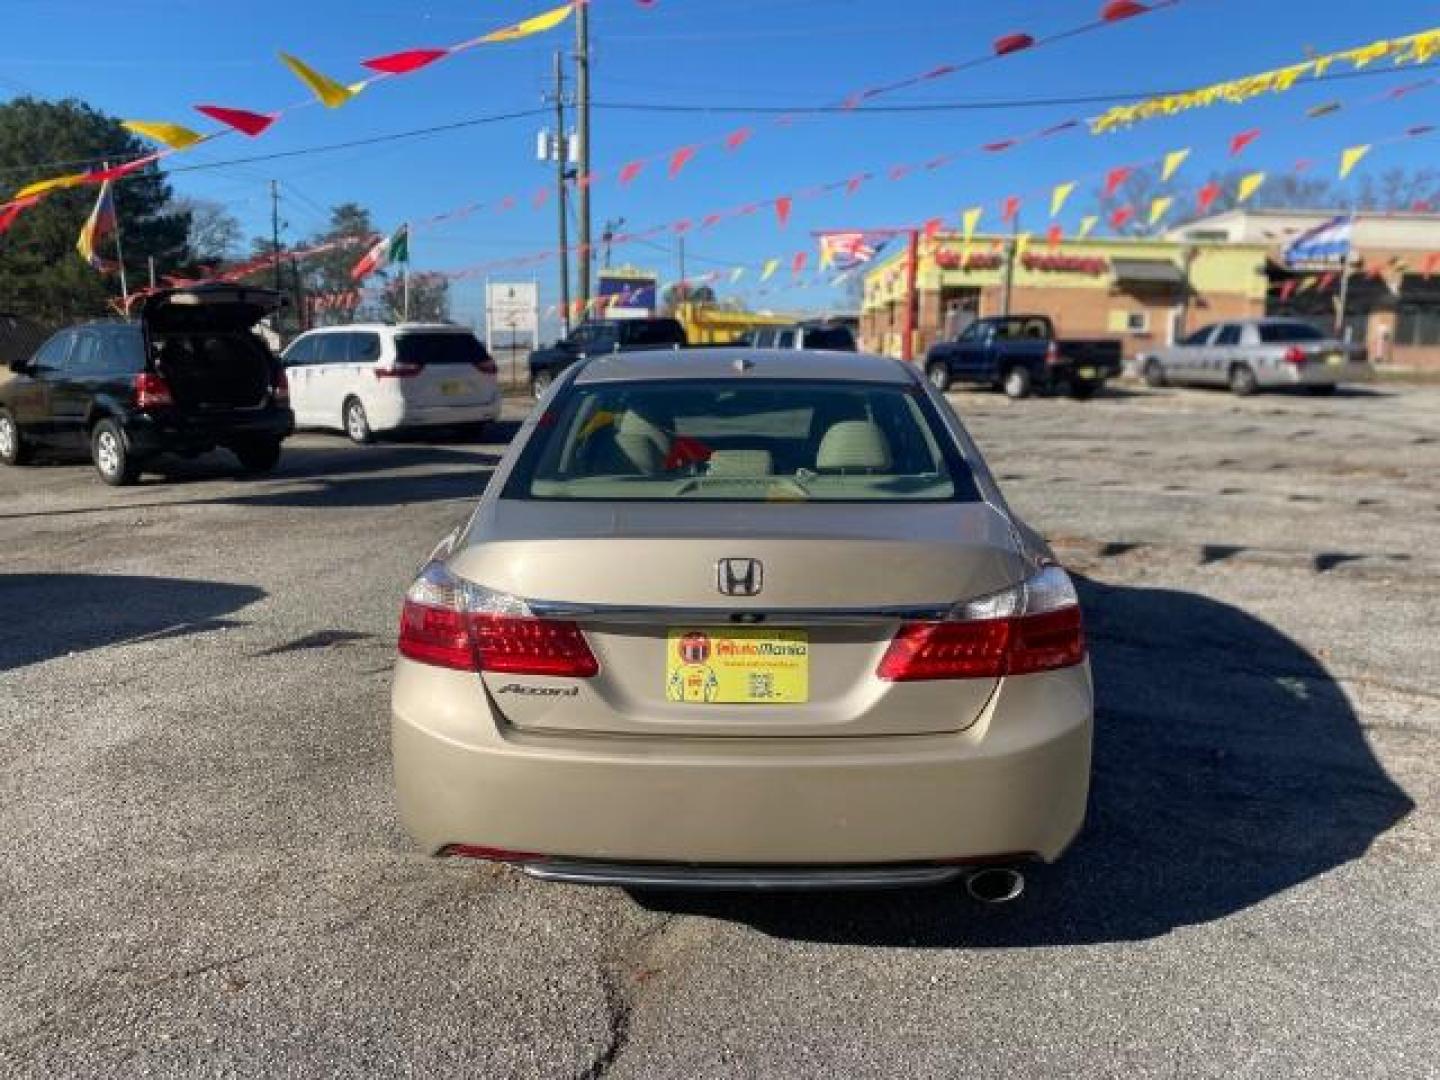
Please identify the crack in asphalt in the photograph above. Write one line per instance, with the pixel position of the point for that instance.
(619, 975)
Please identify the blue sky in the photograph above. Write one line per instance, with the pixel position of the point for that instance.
(153, 59)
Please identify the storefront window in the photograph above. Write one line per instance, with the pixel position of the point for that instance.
(1418, 324)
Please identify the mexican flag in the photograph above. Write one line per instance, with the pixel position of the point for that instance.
(393, 249)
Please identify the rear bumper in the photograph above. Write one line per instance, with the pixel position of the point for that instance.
(147, 434)
(390, 414)
(1014, 784)
(1319, 374)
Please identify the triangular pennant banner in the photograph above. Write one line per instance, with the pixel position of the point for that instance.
(738, 138)
(680, 159)
(248, 123)
(782, 210)
(1087, 226)
(630, 171)
(1205, 198)
(403, 63)
(1058, 197)
(1053, 236)
(970, 221)
(1241, 141)
(1350, 158)
(1159, 208)
(1173, 161)
(330, 93)
(175, 136)
(1249, 185)
(537, 24)
(771, 265)
(1114, 178)
(1011, 208)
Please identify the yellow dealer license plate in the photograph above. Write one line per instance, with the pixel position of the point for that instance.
(737, 666)
(1087, 373)
(1335, 359)
(454, 388)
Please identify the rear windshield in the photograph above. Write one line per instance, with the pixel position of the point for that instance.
(838, 338)
(1277, 333)
(439, 348)
(763, 441)
(653, 332)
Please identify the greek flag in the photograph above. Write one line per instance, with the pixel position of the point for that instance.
(1324, 243)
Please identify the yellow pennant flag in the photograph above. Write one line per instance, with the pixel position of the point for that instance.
(172, 135)
(1159, 208)
(1022, 244)
(1058, 197)
(330, 92)
(537, 24)
(42, 187)
(1350, 158)
(1248, 186)
(1173, 161)
(970, 220)
(1087, 226)
(770, 267)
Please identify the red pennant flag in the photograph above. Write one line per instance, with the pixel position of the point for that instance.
(997, 147)
(938, 162)
(1010, 208)
(1121, 217)
(1053, 236)
(507, 203)
(402, 63)
(939, 72)
(932, 227)
(680, 159)
(899, 172)
(1115, 177)
(1241, 141)
(711, 219)
(539, 198)
(14, 210)
(782, 210)
(1304, 165)
(247, 123)
(630, 171)
(797, 266)
(115, 173)
(853, 184)
(1013, 43)
(1116, 10)
(1287, 290)
(738, 138)
(1326, 281)
(1207, 196)
(681, 227)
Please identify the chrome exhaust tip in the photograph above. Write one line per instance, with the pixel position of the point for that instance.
(995, 885)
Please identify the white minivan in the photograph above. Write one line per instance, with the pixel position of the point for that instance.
(369, 378)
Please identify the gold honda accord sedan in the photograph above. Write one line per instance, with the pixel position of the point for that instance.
(742, 618)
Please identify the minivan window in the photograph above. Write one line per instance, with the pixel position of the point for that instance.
(652, 332)
(1281, 333)
(1229, 335)
(364, 348)
(333, 349)
(785, 340)
(1199, 337)
(302, 351)
(51, 356)
(764, 441)
(838, 338)
(439, 348)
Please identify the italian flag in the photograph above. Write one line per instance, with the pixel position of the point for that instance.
(393, 249)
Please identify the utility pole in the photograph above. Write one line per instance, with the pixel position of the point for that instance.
(1007, 287)
(558, 149)
(682, 287)
(275, 230)
(582, 136)
(607, 238)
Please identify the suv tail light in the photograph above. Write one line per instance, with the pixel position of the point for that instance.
(152, 391)
(280, 390)
(487, 366)
(1030, 627)
(399, 371)
(1052, 354)
(449, 622)
(1295, 355)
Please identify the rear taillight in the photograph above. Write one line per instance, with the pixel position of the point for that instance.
(1034, 626)
(487, 366)
(451, 623)
(399, 371)
(152, 391)
(280, 391)
(1295, 355)
(1052, 354)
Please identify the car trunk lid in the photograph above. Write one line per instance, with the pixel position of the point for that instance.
(677, 656)
(204, 345)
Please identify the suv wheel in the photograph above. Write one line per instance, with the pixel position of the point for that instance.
(1153, 373)
(1017, 383)
(260, 456)
(939, 376)
(13, 450)
(539, 383)
(112, 459)
(357, 424)
(1242, 380)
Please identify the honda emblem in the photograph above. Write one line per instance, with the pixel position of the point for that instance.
(739, 577)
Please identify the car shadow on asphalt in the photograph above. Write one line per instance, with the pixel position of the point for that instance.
(1229, 767)
(50, 615)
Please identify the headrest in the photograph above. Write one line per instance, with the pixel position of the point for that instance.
(853, 444)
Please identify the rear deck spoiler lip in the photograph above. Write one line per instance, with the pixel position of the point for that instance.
(650, 614)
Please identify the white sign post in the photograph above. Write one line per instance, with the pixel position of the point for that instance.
(512, 308)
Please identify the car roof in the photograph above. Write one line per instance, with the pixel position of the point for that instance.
(379, 327)
(724, 363)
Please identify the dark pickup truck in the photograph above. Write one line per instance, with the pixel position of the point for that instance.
(597, 338)
(1020, 354)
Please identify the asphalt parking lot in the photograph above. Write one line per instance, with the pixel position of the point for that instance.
(203, 874)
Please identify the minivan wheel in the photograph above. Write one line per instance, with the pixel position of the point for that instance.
(1017, 383)
(357, 424)
(13, 448)
(1153, 373)
(112, 459)
(260, 456)
(539, 383)
(1242, 380)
